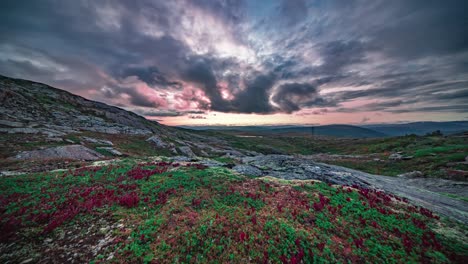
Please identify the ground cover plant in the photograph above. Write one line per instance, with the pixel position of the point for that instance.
(187, 213)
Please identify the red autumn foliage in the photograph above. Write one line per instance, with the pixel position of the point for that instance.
(359, 242)
(254, 219)
(129, 200)
(196, 202)
(321, 246)
(243, 236)
(139, 173)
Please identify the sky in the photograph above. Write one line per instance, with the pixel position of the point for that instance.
(259, 62)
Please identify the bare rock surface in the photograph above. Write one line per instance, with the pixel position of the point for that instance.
(31, 107)
(187, 151)
(74, 152)
(97, 141)
(411, 174)
(248, 170)
(157, 142)
(428, 193)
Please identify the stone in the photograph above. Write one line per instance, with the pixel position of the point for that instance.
(211, 163)
(111, 150)
(98, 141)
(248, 170)
(395, 156)
(187, 151)
(412, 174)
(11, 173)
(157, 141)
(11, 123)
(181, 159)
(74, 152)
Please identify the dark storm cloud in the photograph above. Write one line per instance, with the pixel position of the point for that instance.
(151, 76)
(272, 57)
(255, 97)
(292, 97)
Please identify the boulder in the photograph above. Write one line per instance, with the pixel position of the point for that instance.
(157, 141)
(187, 151)
(395, 156)
(74, 152)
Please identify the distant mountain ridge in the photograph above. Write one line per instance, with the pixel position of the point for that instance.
(352, 131)
(420, 128)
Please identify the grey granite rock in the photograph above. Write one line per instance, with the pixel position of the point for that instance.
(97, 141)
(248, 170)
(157, 141)
(74, 152)
(187, 151)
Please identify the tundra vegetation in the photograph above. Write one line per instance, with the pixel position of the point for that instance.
(167, 212)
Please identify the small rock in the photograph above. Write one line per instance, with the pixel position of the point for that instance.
(395, 156)
(104, 229)
(412, 174)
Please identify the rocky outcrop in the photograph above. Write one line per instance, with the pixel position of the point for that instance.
(428, 193)
(73, 152)
(290, 167)
(29, 107)
(187, 151)
(157, 142)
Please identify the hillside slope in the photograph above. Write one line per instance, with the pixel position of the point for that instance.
(34, 107)
(39, 122)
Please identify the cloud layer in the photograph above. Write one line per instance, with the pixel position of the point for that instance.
(171, 58)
